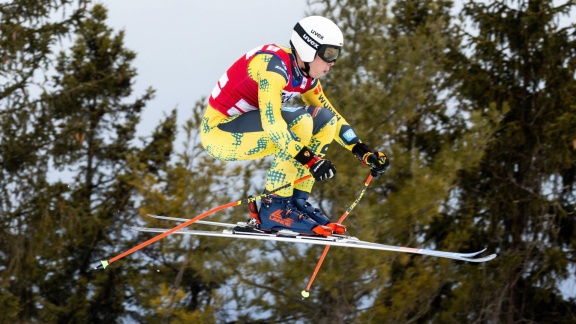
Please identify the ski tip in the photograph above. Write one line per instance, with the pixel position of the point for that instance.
(305, 294)
(491, 257)
(103, 264)
(480, 260)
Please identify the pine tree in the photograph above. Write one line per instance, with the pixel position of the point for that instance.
(29, 34)
(520, 64)
(88, 129)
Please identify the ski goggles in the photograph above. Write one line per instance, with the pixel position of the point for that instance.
(329, 53)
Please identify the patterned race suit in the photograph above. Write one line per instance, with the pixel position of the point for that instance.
(245, 118)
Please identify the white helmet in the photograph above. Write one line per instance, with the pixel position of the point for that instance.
(317, 35)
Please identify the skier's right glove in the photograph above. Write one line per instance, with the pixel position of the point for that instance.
(377, 161)
(321, 169)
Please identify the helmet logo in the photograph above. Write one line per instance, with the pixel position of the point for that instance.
(306, 37)
(310, 41)
(317, 34)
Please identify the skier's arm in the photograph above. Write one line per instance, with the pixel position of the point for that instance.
(345, 136)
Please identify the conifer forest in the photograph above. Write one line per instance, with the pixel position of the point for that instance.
(475, 105)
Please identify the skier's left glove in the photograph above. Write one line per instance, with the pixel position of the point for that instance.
(321, 169)
(377, 161)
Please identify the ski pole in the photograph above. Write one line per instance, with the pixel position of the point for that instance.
(306, 292)
(104, 263)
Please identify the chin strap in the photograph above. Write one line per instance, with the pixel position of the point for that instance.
(306, 70)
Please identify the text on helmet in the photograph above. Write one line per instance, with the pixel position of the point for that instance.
(310, 41)
(317, 34)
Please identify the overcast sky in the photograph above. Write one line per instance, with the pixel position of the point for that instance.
(184, 46)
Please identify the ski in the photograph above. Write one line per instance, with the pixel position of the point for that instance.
(200, 221)
(248, 232)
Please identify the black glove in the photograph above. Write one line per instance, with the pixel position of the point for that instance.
(321, 169)
(377, 161)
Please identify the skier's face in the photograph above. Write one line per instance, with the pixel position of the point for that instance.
(319, 67)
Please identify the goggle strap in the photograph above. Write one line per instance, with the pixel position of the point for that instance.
(306, 37)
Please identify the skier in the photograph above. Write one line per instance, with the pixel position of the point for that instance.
(245, 119)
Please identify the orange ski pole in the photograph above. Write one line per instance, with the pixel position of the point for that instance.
(306, 292)
(104, 263)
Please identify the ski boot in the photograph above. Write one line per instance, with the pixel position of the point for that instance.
(277, 213)
(254, 220)
(300, 200)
